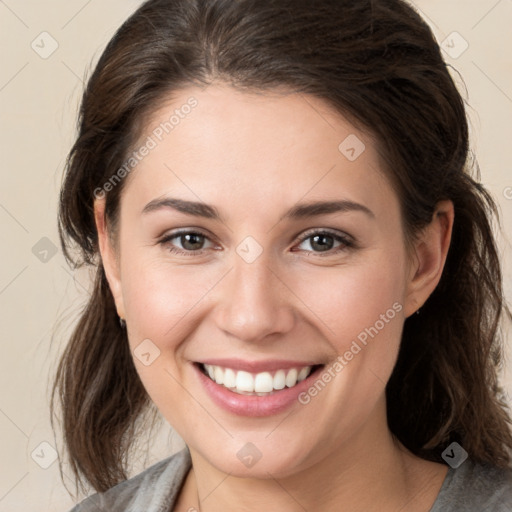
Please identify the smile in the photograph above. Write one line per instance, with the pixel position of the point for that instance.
(259, 384)
(255, 388)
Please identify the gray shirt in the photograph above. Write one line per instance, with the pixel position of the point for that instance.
(469, 488)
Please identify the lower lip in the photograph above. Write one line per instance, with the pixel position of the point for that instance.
(253, 405)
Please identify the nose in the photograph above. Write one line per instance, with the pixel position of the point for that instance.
(254, 302)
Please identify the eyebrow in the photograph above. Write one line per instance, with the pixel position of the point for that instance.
(299, 211)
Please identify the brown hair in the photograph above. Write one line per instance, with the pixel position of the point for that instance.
(378, 64)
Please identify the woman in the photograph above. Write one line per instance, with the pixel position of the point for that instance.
(293, 264)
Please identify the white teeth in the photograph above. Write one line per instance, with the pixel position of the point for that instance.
(244, 381)
(303, 374)
(229, 378)
(280, 379)
(256, 384)
(219, 375)
(263, 383)
(291, 378)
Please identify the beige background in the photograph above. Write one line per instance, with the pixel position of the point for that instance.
(39, 294)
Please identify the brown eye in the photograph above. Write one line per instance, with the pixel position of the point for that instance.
(191, 241)
(325, 242)
(188, 243)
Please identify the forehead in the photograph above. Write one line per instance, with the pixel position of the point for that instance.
(272, 147)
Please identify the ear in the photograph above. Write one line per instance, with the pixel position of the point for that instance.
(429, 256)
(108, 255)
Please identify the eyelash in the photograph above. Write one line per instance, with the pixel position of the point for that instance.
(346, 242)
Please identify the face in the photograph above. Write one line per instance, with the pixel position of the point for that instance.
(253, 282)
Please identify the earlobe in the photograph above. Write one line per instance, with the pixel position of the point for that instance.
(429, 258)
(108, 256)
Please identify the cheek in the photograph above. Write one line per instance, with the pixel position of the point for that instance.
(351, 301)
(361, 308)
(158, 298)
(361, 311)
(160, 303)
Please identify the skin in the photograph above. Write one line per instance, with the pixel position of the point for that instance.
(248, 154)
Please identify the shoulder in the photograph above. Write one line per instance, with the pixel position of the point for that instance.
(156, 488)
(475, 487)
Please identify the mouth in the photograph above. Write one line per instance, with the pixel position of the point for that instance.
(266, 383)
(256, 388)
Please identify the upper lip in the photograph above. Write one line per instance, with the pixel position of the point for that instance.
(258, 366)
